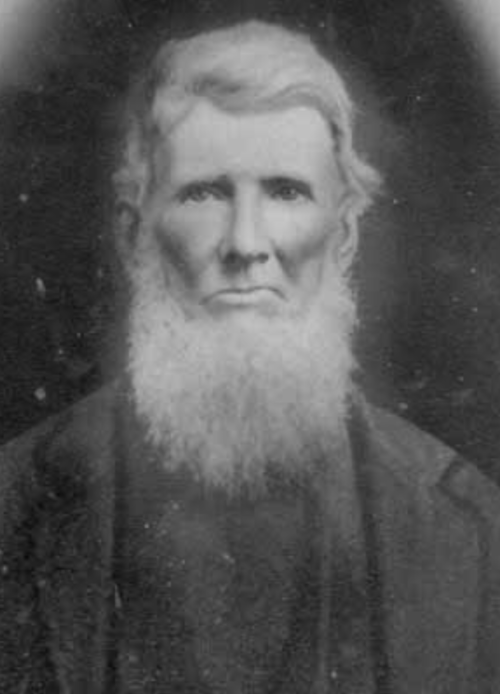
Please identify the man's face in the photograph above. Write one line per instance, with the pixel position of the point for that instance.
(245, 211)
(242, 227)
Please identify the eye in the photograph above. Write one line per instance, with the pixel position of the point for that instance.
(288, 190)
(200, 192)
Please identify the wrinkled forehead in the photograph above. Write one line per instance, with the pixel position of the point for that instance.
(209, 141)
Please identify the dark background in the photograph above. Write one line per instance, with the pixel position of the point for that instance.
(428, 279)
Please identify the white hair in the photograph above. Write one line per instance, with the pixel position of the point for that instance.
(247, 67)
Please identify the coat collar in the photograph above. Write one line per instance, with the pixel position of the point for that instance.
(423, 520)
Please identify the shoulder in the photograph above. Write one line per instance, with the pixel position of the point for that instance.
(78, 436)
(420, 462)
(84, 420)
(411, 452)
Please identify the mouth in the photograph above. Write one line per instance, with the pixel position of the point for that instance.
(245, 296)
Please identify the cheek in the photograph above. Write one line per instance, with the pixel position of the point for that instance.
(303, 238)
(187, 242)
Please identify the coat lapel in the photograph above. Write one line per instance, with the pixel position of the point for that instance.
(429, 542)
(76, 546)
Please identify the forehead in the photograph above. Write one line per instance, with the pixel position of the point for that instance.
(211, 142)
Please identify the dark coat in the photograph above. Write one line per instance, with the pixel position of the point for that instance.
(432, 523)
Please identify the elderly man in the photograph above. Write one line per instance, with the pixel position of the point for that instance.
(230, 516)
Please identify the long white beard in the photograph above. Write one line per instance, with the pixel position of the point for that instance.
(232, 401)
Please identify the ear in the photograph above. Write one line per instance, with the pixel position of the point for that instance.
(126, 230)
(347, 238)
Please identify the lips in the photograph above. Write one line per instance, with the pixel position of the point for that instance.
(245, 295)
(246, 290)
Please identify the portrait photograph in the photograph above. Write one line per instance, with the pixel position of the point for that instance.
(249, 347)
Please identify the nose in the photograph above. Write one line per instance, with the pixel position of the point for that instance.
(245, 240)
